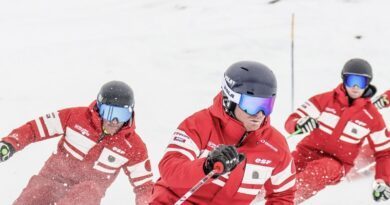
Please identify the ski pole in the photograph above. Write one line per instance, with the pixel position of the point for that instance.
(366, 168)
(294, 133)
(218, 168)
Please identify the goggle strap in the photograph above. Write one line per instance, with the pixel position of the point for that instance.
(232, 96)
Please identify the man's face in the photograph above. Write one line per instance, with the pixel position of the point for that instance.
(355, 85)
(114, 117)
(112, 127)
(251, 122)
(354, 92)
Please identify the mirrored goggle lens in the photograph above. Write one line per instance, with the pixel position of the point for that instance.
(110, 113)
(253, 105)
(356, 80)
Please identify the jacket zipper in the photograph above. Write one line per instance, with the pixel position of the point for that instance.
(102, 135)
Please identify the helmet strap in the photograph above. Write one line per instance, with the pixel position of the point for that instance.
(228, 106)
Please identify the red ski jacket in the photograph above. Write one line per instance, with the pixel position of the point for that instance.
(343, 129)
(268, 164)
(84, 153)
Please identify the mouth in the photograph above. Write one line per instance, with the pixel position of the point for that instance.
(355, 92)
(255, 121)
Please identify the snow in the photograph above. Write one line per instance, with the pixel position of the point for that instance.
(56, 54)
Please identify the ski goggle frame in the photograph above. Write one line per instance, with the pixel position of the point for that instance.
(249, 104)
(351, 80)
(110, 112)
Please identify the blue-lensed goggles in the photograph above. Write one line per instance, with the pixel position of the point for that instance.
(110, 113)
(253, 105)
(356, 80)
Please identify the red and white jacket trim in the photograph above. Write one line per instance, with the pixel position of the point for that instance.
(139, 174)
(49, 125)
(381, 141)
(182, 143)
(77, 144)
(104, 164)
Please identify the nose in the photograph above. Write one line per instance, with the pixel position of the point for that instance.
(258, 115)
(114, 121)
(356, 87)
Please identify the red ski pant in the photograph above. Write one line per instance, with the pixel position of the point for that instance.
(43, 191)
(314, 173)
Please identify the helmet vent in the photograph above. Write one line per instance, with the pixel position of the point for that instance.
(244, 68)
(250, 93)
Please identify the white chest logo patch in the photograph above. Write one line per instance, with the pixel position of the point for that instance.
(262, 161)
(116, 149)
(82, 130)
(360, 123)
(331, 110)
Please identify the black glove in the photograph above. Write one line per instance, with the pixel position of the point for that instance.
(306, 124)
(227, 155)
(381, 191)
(6, 151)
(381, 102)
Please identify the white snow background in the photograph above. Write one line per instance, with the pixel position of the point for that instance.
(56, 54)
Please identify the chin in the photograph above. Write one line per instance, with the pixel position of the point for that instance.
(356, 96)
(252, 128)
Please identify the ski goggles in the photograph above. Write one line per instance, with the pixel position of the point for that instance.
(253, 105)
(355, 80)
(110, 113)
(249, 104)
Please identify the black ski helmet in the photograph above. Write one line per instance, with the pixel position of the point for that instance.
(357, 66)
(116, 93)
(250, 78)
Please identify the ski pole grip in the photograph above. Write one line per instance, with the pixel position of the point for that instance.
(298, 131)
(218, 167)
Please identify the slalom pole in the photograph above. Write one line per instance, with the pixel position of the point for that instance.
(218, 168)
(294, 133)
(292, 61)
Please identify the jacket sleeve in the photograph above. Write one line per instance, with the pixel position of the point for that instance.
(280, 188)
(44, 127)
(180, 167)
(139, 172)
(379, 141)
(309, 108)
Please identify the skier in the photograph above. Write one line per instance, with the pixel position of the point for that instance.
(236, 132)
(383, 100)
(337, 123)
(96, 142)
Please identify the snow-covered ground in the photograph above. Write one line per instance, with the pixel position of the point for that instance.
(56, 54)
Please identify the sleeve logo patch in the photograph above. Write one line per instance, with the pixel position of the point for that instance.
(179, 139)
